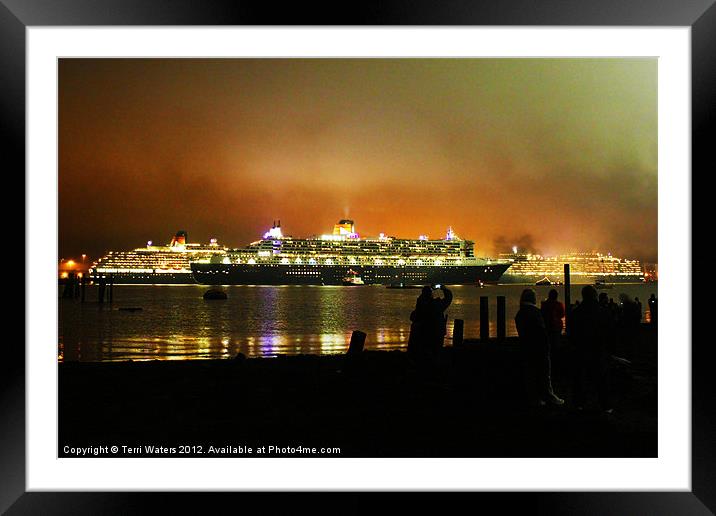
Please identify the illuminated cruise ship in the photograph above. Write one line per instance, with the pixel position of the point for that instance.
(583, 268)
(328, 259)
(165, 264)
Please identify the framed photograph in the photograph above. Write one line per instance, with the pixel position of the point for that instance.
(418, 250)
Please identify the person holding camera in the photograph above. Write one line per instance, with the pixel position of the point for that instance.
(429, 322)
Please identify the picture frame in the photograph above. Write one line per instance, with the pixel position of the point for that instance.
(17, 15)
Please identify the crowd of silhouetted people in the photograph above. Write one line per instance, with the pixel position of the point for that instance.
(598, 328)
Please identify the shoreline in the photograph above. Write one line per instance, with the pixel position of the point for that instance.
(381, 405)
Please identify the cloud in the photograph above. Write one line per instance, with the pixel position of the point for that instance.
(560, 153)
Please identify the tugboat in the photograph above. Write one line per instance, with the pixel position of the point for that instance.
(352, 279)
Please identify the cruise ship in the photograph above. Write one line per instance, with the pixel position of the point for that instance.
(584, 268)
(329, 259)
(155, 264)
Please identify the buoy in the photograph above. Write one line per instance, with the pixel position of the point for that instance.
(214, 294)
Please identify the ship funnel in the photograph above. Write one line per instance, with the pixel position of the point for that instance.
(180, 238)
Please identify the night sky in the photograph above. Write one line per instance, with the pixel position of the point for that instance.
(552, 155)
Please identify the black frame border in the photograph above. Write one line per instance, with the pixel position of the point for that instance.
(699, 15)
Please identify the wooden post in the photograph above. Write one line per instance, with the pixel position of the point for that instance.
(567, 298)
(484, 319)
(66, 291)
(100, 290)
(111, 288)
(83, 284)
(458, 330)
(501, 324)
(357, 343)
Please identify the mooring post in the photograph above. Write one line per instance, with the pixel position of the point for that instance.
(83, 285)
(567, 298)
(484, 318)
(111, 288)
(354, 355)
(357, 343)
(501, 324)
(458, 332)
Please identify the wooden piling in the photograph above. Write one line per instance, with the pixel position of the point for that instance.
(484, 318)
(458, 331)
(83, 285)
(357, 343)
(111, 288)
(567, 298)
(501, 319)
(100, 290)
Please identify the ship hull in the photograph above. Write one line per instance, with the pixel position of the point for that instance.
(271, 274)
(147, 278)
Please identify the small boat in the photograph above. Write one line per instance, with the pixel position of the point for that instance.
(601, 284)
(352, 279)
(403, 285)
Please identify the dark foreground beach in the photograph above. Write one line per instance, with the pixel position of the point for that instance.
(379, 405)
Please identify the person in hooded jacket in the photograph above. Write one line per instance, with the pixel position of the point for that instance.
(535, 351)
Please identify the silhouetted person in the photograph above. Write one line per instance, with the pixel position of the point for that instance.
(590, 327)
(652, 308)
(429, 322)
(628, 325)
(604, 300)
(439, 318)
(420, 320)
(553, 313)
(613, 310)
(535, 351)
(640, 309)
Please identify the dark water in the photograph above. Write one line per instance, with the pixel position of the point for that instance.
(177, 323)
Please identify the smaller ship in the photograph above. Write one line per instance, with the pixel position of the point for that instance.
(156, 264)
(352, 279)
(601, 284)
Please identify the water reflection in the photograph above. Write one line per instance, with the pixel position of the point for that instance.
(176, 323)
